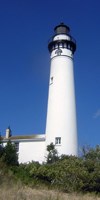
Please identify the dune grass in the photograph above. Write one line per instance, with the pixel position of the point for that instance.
(16, 191)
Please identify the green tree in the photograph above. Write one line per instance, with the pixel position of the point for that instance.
(10, 156)
(52, 154)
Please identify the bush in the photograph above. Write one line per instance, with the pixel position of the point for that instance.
(68, 173)
(71, 173)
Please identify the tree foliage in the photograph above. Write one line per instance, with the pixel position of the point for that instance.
(10, 156)
(52, 155)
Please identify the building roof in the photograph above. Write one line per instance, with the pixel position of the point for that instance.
(22, 138)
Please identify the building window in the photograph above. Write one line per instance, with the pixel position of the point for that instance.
(17, 146)
(58, 140)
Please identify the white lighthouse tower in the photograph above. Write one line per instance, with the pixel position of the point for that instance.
(61, 128)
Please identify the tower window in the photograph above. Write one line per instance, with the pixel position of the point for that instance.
(65, 45)
(60, 44)
(68, 46)
(51, 80)
(58, 140)
(52, 48)
(71, 48)
(58, 52)
(56, 45)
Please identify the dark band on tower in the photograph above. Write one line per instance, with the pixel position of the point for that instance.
(68, 43)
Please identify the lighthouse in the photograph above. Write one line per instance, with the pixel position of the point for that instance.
(61, 125)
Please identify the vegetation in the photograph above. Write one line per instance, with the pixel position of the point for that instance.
(9, 154)
(19, 192)
(66, 173)
(52, 154)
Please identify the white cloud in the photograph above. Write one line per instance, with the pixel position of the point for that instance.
(97, 114)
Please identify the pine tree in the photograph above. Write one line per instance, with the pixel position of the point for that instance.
(10, 156)
(52, 154)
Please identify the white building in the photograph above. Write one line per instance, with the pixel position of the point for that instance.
(61, 128)
(29, 147)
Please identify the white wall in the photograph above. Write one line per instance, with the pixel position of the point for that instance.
(61, 113)
(31, 151)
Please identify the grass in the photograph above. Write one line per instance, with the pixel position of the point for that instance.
(16, 191)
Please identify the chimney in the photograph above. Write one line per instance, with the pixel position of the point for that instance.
(8, 133)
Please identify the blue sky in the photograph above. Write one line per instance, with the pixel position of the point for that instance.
(25, 28)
